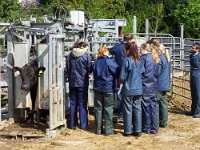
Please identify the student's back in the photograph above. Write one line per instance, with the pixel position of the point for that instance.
(150, 74)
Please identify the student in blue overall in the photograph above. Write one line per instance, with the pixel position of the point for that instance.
(119, 53)
(78, 67)
(195, 80)
(104, 70)
(163, 85)
(149, 61)
(131, 89)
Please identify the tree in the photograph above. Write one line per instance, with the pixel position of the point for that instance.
(188, 12)
(10, 10)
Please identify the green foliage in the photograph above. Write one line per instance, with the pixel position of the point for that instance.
(9, 10)
(164, 16)
(189, 14)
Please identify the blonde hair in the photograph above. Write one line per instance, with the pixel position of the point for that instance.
(167, 54)
(161, 49)
(164, 51)
(155, 56)
(102, 50)
(154, 42)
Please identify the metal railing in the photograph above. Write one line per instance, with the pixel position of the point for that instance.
(181, 73)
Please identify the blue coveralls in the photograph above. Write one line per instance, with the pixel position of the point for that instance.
(131, 78)
(78, 69)
(195, 83)
(119, 53)
(149, 102)
(163, 87)
(104, 72)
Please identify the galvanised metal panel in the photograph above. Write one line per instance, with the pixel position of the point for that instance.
(56, 81)
(22, 98)
(43, 81)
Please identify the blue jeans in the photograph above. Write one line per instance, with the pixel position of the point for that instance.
(195, 94)
(150, 114)
(119, 103)
(132, 114)
(78, 99)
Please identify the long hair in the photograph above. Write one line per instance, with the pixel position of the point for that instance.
(154, 53)
(145, 46)
(155, 56)
(133, 51)
(154, 42)
(167, 53)
(102, 50)
(164, 51)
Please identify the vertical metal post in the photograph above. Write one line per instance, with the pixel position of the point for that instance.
(182, 35)
(182, 46)
(50, 83)
(173, 66)
(10, 51)
(134, 25)
(147, 27)
(116, 28)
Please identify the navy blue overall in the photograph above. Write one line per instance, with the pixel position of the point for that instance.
(195, 83)
(163, 87)
(78, 69)
(131, 78)
(119, 53)
(104, 72)
(149, 102)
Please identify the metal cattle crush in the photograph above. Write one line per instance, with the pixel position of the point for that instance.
(47, 40)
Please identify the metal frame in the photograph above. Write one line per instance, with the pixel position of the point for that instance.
(182, 71)
(53, 33)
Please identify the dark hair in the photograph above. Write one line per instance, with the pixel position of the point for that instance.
(197, 45)
(128, 37)
(79, 44)
(133, 50)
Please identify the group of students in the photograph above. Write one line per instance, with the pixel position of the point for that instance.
(139, 77)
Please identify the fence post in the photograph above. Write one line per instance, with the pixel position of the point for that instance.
(147, 27)
(10, 60)
(134, 25)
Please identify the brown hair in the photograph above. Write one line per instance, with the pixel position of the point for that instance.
(102, 50)
(80, 45)
(128, 37)
(154, 42)
(144, 46)
(133, 50)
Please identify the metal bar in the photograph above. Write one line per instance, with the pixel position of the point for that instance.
(50, 84)
(19, 36)
(181, 59)
(10, 75)
(182, 79)
(135, 25)
(181, 87)
(182, 95)
(147, 27)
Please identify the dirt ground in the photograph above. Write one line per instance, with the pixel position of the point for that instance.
(183, 133)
